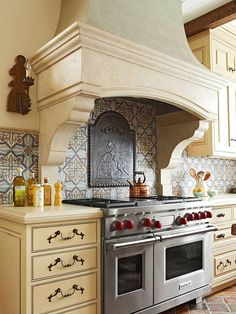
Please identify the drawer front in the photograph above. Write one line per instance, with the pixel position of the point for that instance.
(221, 215)
(224, 263)
(62, 294)
(60, 236)
(89, 309)
(64, 263)
(222, 234)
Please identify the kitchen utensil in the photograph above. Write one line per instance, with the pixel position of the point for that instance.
(200, 175)
(207, 175)
(193, 174)
(139, 188)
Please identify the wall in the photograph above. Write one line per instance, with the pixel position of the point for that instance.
(25, 26)
(19, 148)
(142, 119)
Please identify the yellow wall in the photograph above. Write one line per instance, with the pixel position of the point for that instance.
(25, 26)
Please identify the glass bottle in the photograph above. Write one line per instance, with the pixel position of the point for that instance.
(47, 192)
(29, 189)
(19, 192)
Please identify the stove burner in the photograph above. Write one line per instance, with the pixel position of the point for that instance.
(130, 202)
(100, 202)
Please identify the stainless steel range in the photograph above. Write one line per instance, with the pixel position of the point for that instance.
(156, 252)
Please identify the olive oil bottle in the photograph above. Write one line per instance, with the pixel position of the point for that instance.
(29, 189)
(19, 191)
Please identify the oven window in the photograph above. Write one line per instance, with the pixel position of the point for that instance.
(183, 259)
(129, 273)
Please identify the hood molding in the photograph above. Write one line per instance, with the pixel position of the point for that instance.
(84, 63)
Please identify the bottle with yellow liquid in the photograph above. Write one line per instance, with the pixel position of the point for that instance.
(29, 189)
(19, 191)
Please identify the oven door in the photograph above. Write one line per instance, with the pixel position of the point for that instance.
(128, 275)
(182, 263)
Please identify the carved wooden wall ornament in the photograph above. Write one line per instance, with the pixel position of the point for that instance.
(111, 151)
(18, 98)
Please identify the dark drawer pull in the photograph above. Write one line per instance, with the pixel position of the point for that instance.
(220, 215)
(58, 232)
(227, 263)
(220, 236)
(65, 295)
(58, 260)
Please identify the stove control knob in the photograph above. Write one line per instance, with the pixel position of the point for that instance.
(208, 214)
(181, 221)
(189, 217)
(196, 216)
(128, 224)
(157, 224)
(203, 215)
(117, 225)
(146, 222)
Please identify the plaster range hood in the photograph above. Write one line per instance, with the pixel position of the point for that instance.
(110, 48)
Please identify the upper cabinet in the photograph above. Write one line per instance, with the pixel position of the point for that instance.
(216, 49)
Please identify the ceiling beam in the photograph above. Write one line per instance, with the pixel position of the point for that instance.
(212, 19)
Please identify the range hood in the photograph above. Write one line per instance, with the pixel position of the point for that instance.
(110, 48)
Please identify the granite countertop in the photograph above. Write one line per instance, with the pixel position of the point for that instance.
(29, 215)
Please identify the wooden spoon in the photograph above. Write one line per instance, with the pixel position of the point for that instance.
(200, 175)
(207, 176)
(193, 174)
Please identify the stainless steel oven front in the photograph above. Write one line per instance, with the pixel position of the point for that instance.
(128, 276)
(182, 263)
(151, 273)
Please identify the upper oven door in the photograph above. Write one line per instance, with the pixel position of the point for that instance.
(128, 275)
(181, 264)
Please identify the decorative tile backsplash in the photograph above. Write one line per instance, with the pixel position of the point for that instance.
(21, 149)
(17, 149)
(223, 174)
(142, 119)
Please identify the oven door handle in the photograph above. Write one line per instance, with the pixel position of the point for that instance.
(135, 243)
(183, 234)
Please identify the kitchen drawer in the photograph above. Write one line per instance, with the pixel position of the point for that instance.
(224, 263)
(89, 309)
(221, 215)
(53, 237)
(67, 288)
(64, 263)
(222, 234)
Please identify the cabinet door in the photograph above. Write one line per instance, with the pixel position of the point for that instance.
(233, 63)
(221, 58)
(232, 116)
(221, 126)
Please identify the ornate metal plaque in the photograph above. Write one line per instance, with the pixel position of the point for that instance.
(111, 151)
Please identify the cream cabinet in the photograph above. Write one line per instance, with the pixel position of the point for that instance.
(224, 246)
(216, 49)
(50, 267)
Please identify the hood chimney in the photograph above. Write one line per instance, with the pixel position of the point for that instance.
(110, 48)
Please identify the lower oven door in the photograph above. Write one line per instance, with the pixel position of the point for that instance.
(128, 275)
(182, 264)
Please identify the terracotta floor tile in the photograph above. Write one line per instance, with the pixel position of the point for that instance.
(214, 299)
(182, 310)
(218, 307)
(199, 312)
(230, 300)
(232, 307)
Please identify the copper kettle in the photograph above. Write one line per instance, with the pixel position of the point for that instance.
(139, 188)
